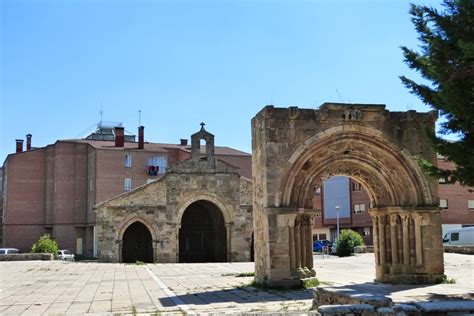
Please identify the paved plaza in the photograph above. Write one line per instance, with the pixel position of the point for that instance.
(54, 287)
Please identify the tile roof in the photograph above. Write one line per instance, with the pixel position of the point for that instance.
(156, 147)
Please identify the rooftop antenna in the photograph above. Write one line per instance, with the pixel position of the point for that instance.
(101, 112)
(339, 95)
(139, 118)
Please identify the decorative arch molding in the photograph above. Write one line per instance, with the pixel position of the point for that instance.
(129, 220)
(198, 196)
(294, 150)
(390, 175)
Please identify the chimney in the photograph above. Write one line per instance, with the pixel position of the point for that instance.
(119, 136)
(183, 142)
(28, 142)
(141, 137)
(19, 145)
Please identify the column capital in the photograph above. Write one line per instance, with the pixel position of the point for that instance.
(393, 219)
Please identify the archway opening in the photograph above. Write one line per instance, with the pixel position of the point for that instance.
(344, 204)
(395, 191)
(202, 236)
(137, 244)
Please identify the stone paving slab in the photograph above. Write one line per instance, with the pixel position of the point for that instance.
(65, 288)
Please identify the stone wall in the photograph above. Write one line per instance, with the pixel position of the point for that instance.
(467, 250)
(27, 257)
(160, 206)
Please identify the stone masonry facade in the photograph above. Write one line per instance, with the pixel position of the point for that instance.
(294, 150)
(160, 205)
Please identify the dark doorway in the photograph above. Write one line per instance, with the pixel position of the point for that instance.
(202, 237)
(137, 244)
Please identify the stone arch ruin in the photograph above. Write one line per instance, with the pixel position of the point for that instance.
(294, 150)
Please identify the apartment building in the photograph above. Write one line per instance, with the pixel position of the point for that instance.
(53, 189)
(456, 203)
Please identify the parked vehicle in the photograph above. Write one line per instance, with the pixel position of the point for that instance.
(65, 255)
(459, 237)
(319, 245)
(8, 251)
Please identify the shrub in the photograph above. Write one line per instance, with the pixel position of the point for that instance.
(45, 245)
(348, 239)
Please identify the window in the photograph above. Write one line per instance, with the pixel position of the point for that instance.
(356, 186)
(440, 157)
(443, 203)
(317, 191)
(128, 161)
(127, 184)
(367, 231)
(454, 236)
(322, 236)
(470, 204)
(157, 165)
(359, 208)
(442, 180)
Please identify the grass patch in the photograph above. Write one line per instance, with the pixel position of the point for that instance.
(228, 274)
(264, 286)
(245, 274)
(446, 280)
(139, 263)
(310, 283)
(267, 287)
(134, 310)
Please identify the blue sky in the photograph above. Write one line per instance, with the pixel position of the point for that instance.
(183, 62)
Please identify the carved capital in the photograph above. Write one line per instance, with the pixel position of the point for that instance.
(393, 219)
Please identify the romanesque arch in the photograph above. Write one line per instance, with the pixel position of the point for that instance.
(202, 234)
(137, 244)
(140, 231)
(294, 150)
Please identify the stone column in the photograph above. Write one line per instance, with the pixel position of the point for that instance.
(297, 245)
(418, 241)
(291, 241)
(393, 218)
(375, 230)
(303, 245)
(382, 248)
(309, 242)
(406, 239)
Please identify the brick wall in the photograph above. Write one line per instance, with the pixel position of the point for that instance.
(457, 196)
(24, 203)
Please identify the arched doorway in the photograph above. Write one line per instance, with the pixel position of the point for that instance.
(295, 150)
(137, 244)
(202, 236)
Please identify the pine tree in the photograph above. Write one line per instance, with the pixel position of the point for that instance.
(446, 61)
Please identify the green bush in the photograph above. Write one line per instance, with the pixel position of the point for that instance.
(45, 245)
(348, 239)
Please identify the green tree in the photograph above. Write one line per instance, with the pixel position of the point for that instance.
(347, 240)
(45, 245)
(446, 61)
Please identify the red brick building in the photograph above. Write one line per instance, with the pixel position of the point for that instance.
(456, 202)
(52, 189)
